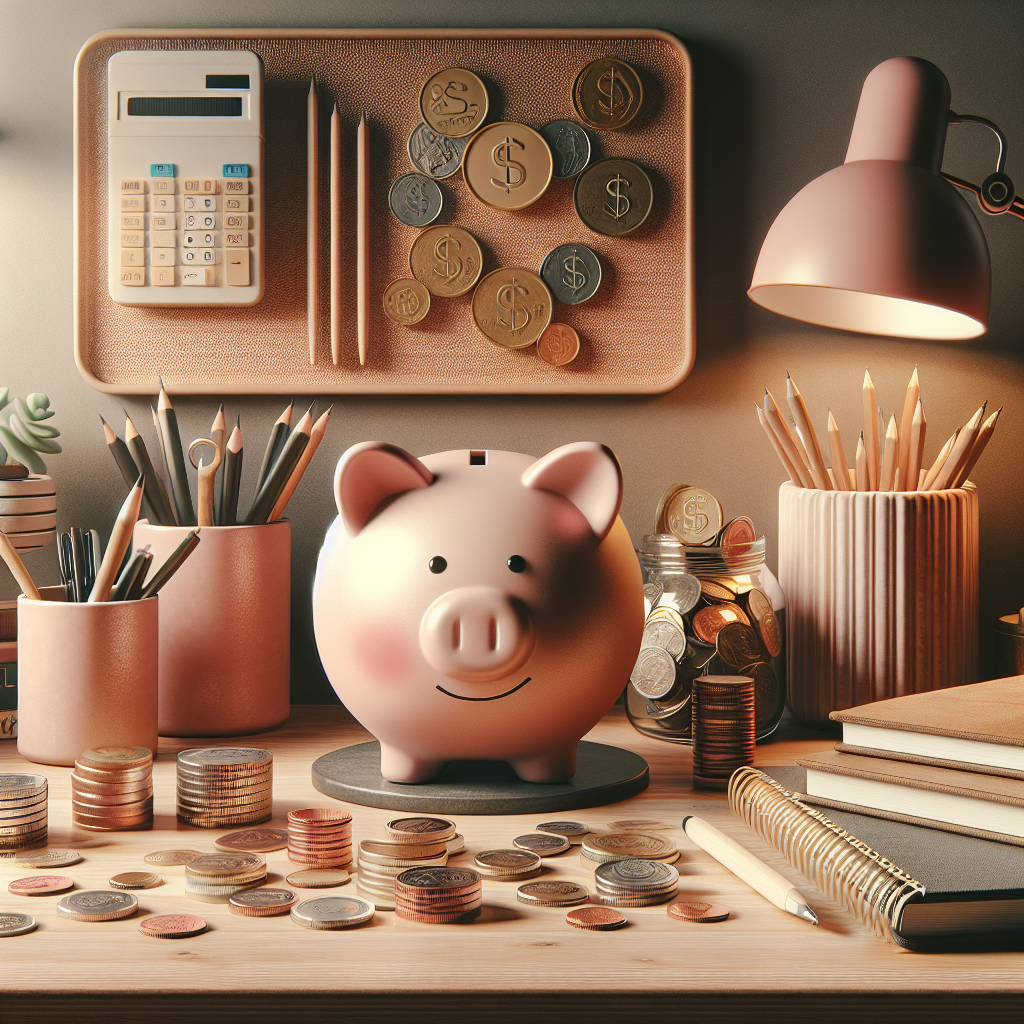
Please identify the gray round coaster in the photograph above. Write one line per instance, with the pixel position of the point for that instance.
(604, 775)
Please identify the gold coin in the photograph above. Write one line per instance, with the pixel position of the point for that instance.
(715, 591)
(135, 880)
(512, 306)
(558, 345)
(607, 94)
(406, 301)
(616, 845)
(454, 102)
(446, 259)
(693, 515)
(613, 197)
(507, 165)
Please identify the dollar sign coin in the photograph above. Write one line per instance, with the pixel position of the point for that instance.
(415, 200)
(448, 265)
(512, 314)
(607, 94)
(406, 301)
(558, 345)
(446, 260)
(454, 102)
(572, 272)
(512, 306)
(616, 189)
(615, 94)
(613, 197)
(507, 165)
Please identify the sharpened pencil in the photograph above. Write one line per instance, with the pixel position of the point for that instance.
(232, 477)
(785, 439)
(861, 462)
(984, 436)
(960, 452)
(809, 440)
(906, 427)
(275, 444)
(840, 467)
(779, 450)
(312, 218)
(174, 459)
(928, 484)
(265, 500)
(918, 431)
(872, 438)
(316, 435)
(337, 235)
(117, 546)
(156, 497)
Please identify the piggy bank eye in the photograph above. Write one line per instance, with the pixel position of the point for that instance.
(517, 563)
(437, 564)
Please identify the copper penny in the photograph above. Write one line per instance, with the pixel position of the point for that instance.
(318, 878)
(507, 165)
(135, 880)
(441, 917)
(598, 919)
(771, 633)
(552, 893)
(454, 102)
(406, 301)
(558, 345)
(698, 912)
(173, 926)
(254, 840)
(512, 307)
(261, 902)
(40, 885)
(738, 646)
(171, 858)
(419, 830)
(607, 94)
(446, 259)
(735, 536)
(710, 620)
(319, 816)
(766, 692)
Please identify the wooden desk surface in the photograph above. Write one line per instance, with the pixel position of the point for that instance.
(512, 962)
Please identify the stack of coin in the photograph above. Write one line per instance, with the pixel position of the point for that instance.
(553, 893)
(328, 913)
(23, 802)
(411, 842)
(112, 789)
(320, 837)
(635, 883)
(611, 846)
(437, 895)
(723, 729)
(215, 877)
(221, 787)
(508, 865)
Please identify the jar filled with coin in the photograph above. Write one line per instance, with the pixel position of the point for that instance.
(713, 608)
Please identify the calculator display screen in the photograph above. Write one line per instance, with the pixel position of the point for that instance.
(185, 106)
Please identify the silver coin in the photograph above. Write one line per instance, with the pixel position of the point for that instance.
(433, 154)
(12, 923)
(570, 147)
(698, 653)
(654, 674)
(653, 590)
(332, 912)
(228, 757)
(98, 905)
(570, 829)
(572, 272)
(634, 873)
(13, 787)
(47, 859)
(680, 591)
(545, 845)
(665, 634)
(415, 200)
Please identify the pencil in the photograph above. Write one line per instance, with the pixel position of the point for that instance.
(960, 452)
(219, 435)
(861, 463)
(133, 572)
(871, 435)
(906, 426)
(120, 539)
(363, 237)
(779, 450)
(918, 430)
(172, 565)
(156, 496)
(337, 234)
(316, 435)
(809, 440)
(231, 476)
(983, 438)
(275, 443)
(890, 460)
(785, 439)
(122, 456)
(174, 459)
(312, 217)
(266, 498)
(840, 467)
(927, 484)
(18, 570)
(159, 467)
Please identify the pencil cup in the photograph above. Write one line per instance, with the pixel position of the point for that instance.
(882, 594)
(87, 676)
(224, 629)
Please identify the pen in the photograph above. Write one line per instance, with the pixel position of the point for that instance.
(174, 459)
(171, 566)
(134, 572)
(776, 889)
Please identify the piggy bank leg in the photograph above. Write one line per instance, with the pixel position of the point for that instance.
(398, 766)
(553, 766)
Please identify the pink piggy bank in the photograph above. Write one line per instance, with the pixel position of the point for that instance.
(478, 605)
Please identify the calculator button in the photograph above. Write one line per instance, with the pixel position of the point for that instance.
(200, 186)
(132, 222)
(163, 204)
(135, 186)
(199, 221)
(193, 256)
(201, 276)
(133, 204)
(208, 203)
(163, 239)
(236, 204)
(163, 257)
(199, 239)
(236, 171)
(163, 277)
(237, 261)
(236, 239)
(133, 278)
(133, 239)
(162, 222)
(162, 186)
(235, 186)
(238, 221)
(133, 257)
(161, 170)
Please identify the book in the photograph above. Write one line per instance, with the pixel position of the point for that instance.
(928, 891)
(979, 727)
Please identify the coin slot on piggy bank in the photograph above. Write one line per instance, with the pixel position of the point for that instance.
(478, 605)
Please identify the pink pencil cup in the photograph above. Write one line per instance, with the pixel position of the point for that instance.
(225, 629)
(87, 676)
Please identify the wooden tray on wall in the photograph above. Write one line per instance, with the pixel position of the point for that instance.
(638, 331)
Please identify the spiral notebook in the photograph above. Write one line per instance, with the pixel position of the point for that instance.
(925, 889)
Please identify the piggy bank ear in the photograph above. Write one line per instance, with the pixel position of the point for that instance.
(371, 472)
(588, 474)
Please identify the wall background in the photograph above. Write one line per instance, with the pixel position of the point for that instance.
(775, 89)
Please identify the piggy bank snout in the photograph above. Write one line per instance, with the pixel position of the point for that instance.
(477, 634)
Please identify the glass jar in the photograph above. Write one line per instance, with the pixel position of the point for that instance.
(700, 591)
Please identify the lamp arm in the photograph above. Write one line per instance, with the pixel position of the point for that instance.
(1016, 207)
(996, 194)
(955, 118)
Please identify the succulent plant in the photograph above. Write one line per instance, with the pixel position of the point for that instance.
(25, 438)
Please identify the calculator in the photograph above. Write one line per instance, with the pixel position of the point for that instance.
(185, 177)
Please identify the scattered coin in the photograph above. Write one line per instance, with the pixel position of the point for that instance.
(434, 154)
(654, 674)
(173, 926)
(572, 830)
(254, 840)
(446, 259)
(692, 515)
(406, 301)
(572, 272)
(507, 865)
(710, 620)
(40, 885)
(597, 919)
(512, 306)
(454, 102)
(552, 893)
(544, 845)
(618, 845)
(637, 825)
(607, 94)
(570, 147)
(456, 844)
(558, 345)
(135, 880)
(330, 912)
(261, 902)
(613, 197)
(507, 165)
(318, 878)
(698, 912)
(47, 859)
(12, 923)
(226, 864)
(420, 830)
(415, 200)
(97, 905)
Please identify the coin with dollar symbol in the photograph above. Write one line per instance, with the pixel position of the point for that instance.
(613, 197)
(558, 345)
(454, 102)
(415, 200)
(507, 165)
(573, 273)
(570, 147)
(512, 306)
(607, 94)
(446, 260)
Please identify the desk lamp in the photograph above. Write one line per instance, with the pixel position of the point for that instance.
(885, 244)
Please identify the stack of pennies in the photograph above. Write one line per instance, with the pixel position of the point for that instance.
(225, 786)
(437, 895)
(216, 877)
(320, 837)
(112, 789)
(411, 842)
(508, 865)
(610, 846)
(723, 728)
(553, 893)
(23, 803)
(635, 883)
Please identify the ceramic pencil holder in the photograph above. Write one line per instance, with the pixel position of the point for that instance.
(224, 628)
(882, 594)
(87, 676)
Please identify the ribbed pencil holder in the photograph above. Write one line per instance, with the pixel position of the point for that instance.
(882, 594)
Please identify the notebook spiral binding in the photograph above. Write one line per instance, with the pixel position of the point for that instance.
(864, 882)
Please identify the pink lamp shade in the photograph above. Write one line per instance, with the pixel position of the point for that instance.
(883, 244)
